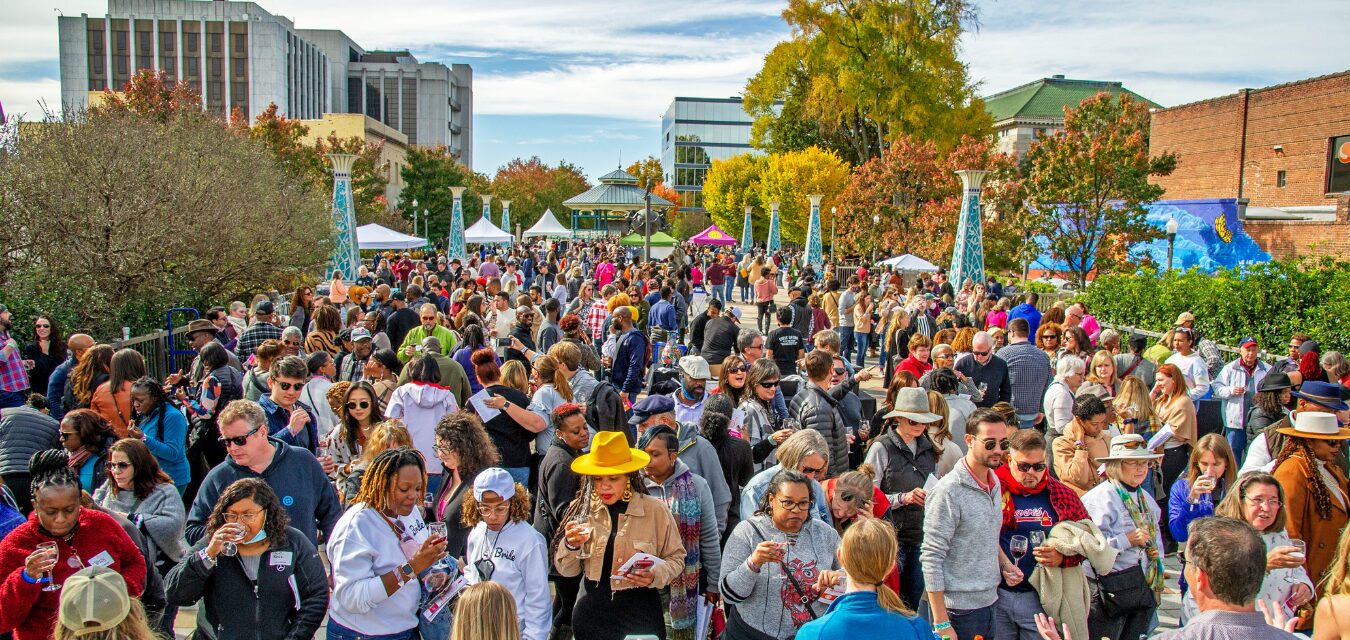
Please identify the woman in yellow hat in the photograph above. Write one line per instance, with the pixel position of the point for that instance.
(611, 521)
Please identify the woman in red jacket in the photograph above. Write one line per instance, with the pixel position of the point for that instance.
(918, 362)
(82, 538)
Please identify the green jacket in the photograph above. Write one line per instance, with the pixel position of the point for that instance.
(415, 337)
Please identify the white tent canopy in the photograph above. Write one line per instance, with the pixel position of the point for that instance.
(910, 262)
(484, 232)
(374, 237)
(548, 227)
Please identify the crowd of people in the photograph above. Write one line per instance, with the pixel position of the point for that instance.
(571, 442)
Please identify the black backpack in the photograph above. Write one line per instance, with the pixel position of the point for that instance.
(605, 409)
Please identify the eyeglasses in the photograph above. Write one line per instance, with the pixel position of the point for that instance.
(363, 404)
(1273, 503)
(503, 507)
(290, 343)
(118, 466)
(65, 434)
(1029, 466)
(979, 354)
(43, 326)
(238, 441)
(287, 386)
(442, 449)
(788, 505)
(990, 444)
(247, 515)
(839, 371)
(812, 470)
(769, 384)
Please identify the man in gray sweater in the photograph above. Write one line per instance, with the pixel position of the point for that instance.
(961, 523)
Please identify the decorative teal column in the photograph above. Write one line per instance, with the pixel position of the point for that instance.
(487, 207)
(506, 216)
(346, 256)
(455, 248)
(775, 236)
(747, 232)
(814, 251)
(968, 255)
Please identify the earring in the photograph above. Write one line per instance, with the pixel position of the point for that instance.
(628, 491)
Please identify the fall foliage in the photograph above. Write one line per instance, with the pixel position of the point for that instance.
(787, 177)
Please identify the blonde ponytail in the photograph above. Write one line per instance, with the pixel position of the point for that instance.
(868, 554)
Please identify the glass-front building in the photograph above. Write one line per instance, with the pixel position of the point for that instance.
(694, 132)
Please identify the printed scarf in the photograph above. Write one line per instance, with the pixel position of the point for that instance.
(1151, 556)
(683, 502)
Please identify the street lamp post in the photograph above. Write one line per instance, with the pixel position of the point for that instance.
(426, 226)
(647, 225)
(833, 210)
(1171, 241)
(876, 222)
(414, 208)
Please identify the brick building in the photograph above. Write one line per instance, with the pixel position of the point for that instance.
(1284, 149)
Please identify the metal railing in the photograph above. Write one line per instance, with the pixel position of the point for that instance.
(156, 349)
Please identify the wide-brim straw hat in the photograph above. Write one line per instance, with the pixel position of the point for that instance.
(912, 403)
(1130, 446)
(610, 455)
(1315, 425)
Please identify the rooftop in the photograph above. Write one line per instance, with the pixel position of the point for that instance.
(1047, 97)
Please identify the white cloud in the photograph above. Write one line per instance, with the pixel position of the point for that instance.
(27, 98)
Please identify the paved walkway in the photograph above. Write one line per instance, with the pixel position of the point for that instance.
(1167, 614)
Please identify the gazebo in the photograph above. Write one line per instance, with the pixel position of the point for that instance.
(608, 205)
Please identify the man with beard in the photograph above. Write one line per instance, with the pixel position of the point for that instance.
(963, 515)
(522, 335)
(428, 327)
(13, 370)
(694, 375)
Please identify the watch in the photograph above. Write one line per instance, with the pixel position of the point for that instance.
(405, 572)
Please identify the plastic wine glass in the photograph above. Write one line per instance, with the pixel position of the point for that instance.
(51, 549)
(230, 547)
(1300, 548)
(1018, 546)
(1037, 538)
(583, 522)
(783, 541)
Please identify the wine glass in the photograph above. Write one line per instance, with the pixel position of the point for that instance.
(50, 549)
(1018, 547)
(782, 541)
(583, 522)
(1037, 538)
(230, 546)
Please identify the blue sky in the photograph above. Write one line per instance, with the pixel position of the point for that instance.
(586, 81)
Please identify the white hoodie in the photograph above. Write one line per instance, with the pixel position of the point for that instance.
(420, 407)
(520, 563)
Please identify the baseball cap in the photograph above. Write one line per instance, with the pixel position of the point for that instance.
(360, 333)
(1248, 340)
(264, 308)
(1185, 317)
(736, 312)
(94, 599)
(496, 480)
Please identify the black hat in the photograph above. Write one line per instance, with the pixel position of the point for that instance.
(1139, 341)
(1274, 381)
(398, 295)
(264, 308)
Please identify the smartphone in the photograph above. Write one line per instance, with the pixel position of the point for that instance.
(503, 342)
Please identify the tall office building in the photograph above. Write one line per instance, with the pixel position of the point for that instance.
(239, 56)
(696, 131)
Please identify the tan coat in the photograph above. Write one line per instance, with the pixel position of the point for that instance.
(1179, 412)
(646, 526)
(1076, 467)
(1296, 475)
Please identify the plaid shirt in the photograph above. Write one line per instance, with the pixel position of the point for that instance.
(254, 336)
(1029, 373)
(13, 375)
(595, 319)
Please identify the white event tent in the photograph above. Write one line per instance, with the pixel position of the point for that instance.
(910, 262)
(373, 237)
(484, 232)
(548, 227)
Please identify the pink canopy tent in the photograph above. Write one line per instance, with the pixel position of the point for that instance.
(714, 235)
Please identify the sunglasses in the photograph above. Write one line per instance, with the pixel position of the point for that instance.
(1049, 337)
(485, 568)
(287, 386)
(1030, 466)
(979, 354)
(769, 384)
(238, 441)
(43, 326)
(990, 444)
(737, 369)
(363, 404)
(65, 434)
(850, 498)
(811, 470)
(118, 466)
(292, 344)
(840, 371)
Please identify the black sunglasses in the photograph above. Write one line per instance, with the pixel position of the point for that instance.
(287, 386)
(990, 444)
(118, 466)
(1028, 466)
(769, 384)
(485, 568)
(364, 404)
(238, 441)
(737, 369)
(65, 434)
(840, 371)
(812, 470)
(979, 354)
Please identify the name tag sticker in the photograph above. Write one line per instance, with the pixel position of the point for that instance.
(280, 559)
(103, 559)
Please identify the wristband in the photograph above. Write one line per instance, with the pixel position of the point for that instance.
(570, 547)
(31, 580)
(942, 626)
(750, 564)
(206, 559)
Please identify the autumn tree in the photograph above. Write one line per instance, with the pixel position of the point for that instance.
(533, 186)
(426, 176)
(730, 186)
(648, 171)
(784, 177)
(857, 74)
(1086, 187)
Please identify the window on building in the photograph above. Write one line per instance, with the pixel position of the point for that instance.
(1281, 179)
(1338, 165)
(214, 40)
(1038, 133)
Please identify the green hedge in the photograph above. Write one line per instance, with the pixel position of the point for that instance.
(1270, 302)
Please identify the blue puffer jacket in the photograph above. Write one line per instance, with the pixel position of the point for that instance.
(25, 431)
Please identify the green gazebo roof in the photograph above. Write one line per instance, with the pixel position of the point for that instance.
(618, 189)
(1047, 97)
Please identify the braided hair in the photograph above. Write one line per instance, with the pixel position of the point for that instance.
(1316, 485)
(155, 390)
(51, 469)
(379, 477)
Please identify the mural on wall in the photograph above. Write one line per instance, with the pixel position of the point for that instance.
(1210, 236)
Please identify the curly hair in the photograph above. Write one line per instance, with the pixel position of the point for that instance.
(378, 479)
(519, 511)
(463, 433)
(1295, 446)
(1047, 328)
(96, 435)
(277, 520)
(98, 359)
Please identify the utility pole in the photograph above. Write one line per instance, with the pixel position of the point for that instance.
(647, 226)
